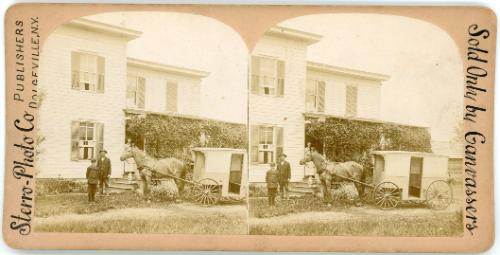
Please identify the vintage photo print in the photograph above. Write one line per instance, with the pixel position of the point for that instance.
(360, 133)
(249, 127)
(142, 126)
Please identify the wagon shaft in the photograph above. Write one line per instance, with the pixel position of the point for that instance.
(355, 181)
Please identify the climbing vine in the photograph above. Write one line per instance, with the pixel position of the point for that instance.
(171, 136)
(346, 139)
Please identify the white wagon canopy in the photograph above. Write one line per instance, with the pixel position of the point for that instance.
(221, 167)
(411, 176)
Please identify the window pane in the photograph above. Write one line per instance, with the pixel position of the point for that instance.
(90, 134)
(311, 102)
(266, 135)
(82, 133)
(267, 67)
(311, 87)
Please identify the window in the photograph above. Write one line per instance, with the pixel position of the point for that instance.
(86, 139)
(351, 100)
(315, 96)
(87, 72)
(267, 76)
(136, 87)
(267, 143)
(171, 97)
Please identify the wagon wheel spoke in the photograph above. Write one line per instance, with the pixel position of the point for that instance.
(439, 195)
(207, 192)
(387, 195)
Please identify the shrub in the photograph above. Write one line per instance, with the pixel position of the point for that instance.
(166, 190)
(52, 186)
(257, 190)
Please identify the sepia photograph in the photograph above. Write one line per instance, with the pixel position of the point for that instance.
(254, 128)
(355, 128)
(142, 126)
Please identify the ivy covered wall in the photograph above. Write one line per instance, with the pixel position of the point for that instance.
(171, 136)
(347, 139)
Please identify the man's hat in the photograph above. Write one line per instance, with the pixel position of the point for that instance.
(105, 151)
(283, 155)
(93, 160)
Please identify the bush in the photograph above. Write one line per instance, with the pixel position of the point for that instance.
(166, 190)
(52, 186)
(257, 190)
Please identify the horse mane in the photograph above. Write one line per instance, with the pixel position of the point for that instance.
(141, 157)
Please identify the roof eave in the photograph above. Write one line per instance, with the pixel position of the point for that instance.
(126, 33)
(166, 68)
(346, 71)
(290, 33)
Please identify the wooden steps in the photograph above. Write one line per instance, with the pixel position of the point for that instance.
(120, 185)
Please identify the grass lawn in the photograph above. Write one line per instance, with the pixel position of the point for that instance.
(309, 216)
(128, 213)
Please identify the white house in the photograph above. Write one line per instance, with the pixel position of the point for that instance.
(89, 86)
(286, 88)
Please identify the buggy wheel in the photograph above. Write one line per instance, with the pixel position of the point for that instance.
(206, 192)
(439, 195)
(387, 195)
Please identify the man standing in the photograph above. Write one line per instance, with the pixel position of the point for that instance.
(104, 165)
(92, 179)
(284, 175)
(272, 181)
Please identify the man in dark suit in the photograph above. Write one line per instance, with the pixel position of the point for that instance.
(284, 175)
(272, 180)
(104, 165)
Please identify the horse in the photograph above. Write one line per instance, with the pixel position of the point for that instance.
(330, 172)
(149, 166)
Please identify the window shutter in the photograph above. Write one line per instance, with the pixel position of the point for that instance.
(99, 132)
(255, 75)
(279, 141)
(254, 142)
(321, 96)
(75, 70)
(171, 97)
(281, 78)
(351, 100)
(75, 135)
(100, 74)
(141, 92)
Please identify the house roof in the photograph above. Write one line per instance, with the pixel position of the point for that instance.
(205, 149)
(166, 68)
(173, 114)
(314, 115)
(290, 33)
(314, 66)
(412, 153)
(96, 26)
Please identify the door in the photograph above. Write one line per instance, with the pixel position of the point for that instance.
(235, 173)
(415, 183)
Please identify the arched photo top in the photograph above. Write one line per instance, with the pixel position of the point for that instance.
(417, 66)
(99, 73)
(174, 40)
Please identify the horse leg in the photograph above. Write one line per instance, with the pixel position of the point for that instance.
(146, 182)
(328, 190)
